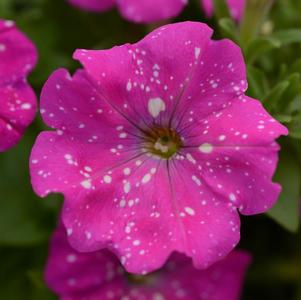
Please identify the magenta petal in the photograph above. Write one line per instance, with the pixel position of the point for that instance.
(17, 100)
(236, 8)
(129, 214)
(98, 275)
(70, 272)
(17, 110)
(207, 6)
(148, 11)
(148, 71)
(201, 214)
(213, 82)
(223, 280)
(68, 160)
(18, 55)
(125, 190)
(243, 155)
(93, 5)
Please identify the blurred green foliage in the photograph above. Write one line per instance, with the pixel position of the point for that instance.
(271, 41)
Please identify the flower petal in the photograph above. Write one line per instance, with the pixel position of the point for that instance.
(71, 272)
(144, 216)
(242, 157)
(150, 70)
(17, 110)
(236, 8)
(218, 77)
(223, 280)
(127, 215)
(18, 55)
(119, 193)
(17, 100)
(148, 11)
(93, 5)
(98, 275)
(91, 137)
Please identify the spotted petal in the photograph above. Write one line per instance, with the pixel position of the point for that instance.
(98, 275)
(236, 8)
(17, 100)
(146, 177)
(148, 11)
(17, 54)
(93, 5)
(71, 158)
(235, 154)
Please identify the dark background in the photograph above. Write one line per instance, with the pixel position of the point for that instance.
(274, 68)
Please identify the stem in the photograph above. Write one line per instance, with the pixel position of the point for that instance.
(255, 13)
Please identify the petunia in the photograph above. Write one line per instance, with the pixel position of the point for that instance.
(17, 100)
(236, 7)
(93, 5)
(157, 149)
(150, 11)
(98, 275)
(146, 11)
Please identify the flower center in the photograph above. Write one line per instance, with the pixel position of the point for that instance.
(162, 142)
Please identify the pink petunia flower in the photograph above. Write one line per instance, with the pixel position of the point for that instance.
(93, 5)
(157, 148)
(98, 275)
(17, 100)
(236, 7)
(146, 11)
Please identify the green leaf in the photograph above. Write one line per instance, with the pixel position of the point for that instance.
(295, 130)
(24, 219)
(286, 211)
(288, 36)
(293, 90)
(228, 29)
(275, 94)
(221, 9)
(39, 289)
(296, 66)
(257, 83)
(259, 47)
(284, 118)
(295, 107)
(255, 13)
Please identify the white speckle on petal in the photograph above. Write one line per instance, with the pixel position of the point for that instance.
(2, 47)
(107, 179)
(136, 243)
(146, 178)
(129, 86)
(86, 184)
(158, 296)
(127, 187)
(88, 235)
(197, 52)
(232, 197)
(123, 135)
(156, 106)
(71, 258)
(127, 171)
(206, 148)
(26, 106)
(189, 211)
